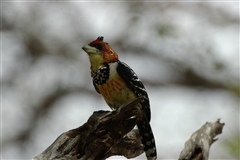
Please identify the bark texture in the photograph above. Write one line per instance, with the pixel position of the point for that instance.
(197, 147)
(104, 134)
(109, 133)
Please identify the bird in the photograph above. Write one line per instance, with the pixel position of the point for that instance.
(119, 84)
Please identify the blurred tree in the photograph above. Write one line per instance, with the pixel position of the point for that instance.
(188, 48)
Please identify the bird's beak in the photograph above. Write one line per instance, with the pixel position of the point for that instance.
(90, 50)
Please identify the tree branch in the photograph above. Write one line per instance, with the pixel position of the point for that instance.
(108, 133)
(104, 134)
(197, 147)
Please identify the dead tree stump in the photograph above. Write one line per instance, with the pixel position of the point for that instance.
(104, 134)
(109, 133)
(198, 145)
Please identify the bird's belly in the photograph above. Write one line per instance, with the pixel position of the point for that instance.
(116, 93)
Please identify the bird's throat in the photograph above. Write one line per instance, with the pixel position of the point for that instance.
(96, 61)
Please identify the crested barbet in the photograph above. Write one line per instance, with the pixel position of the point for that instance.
(119, 84)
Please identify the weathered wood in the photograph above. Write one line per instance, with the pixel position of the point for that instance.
(104, 134)
(197, 147)
(109, 133)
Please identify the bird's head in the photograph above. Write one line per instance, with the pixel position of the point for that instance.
(100, 52)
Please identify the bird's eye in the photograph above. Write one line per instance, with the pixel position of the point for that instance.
(100, 47)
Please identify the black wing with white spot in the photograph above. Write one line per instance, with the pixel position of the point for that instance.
(135, 84)
(145, 130)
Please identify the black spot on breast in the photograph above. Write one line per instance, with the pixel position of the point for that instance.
(101, 75)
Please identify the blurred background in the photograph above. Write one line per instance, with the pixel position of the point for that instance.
(186, 54)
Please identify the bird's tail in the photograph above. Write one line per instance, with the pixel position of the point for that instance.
(148, 140)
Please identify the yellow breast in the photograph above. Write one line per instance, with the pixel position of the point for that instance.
(110, 88)
(116, 93)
